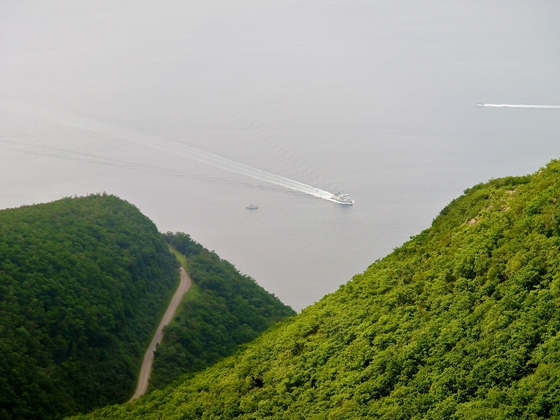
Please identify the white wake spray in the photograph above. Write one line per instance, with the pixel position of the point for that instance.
(164, 145)
(520, 106)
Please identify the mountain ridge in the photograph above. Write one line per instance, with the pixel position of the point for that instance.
(82, 284)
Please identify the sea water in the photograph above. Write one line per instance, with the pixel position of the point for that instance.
(374, 98)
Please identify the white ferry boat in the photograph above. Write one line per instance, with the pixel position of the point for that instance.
(342, 198)
(252, 207)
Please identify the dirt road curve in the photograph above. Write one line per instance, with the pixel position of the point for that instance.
(146, 368)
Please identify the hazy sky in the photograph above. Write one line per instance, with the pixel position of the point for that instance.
(374, 97)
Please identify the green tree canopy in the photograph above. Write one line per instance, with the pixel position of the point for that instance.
(82, 284)
(460, 322)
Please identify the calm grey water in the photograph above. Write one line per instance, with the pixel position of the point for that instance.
(373, 97)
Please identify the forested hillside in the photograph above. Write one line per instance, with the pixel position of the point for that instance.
(222, 310)
(461, 322)
(83, 282)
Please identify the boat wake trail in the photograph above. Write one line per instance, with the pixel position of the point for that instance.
(164, 145)
(520, 106)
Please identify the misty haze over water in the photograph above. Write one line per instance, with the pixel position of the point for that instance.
(375, 98)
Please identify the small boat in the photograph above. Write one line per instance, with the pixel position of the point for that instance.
(342, 198)
(252, 207)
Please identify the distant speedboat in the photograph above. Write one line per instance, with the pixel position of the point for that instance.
(252, 207)
(342, 198)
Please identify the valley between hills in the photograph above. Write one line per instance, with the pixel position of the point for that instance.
(460, 322)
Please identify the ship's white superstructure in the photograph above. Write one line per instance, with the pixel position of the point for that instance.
(342, 198)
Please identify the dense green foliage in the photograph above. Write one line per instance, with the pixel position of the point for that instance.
(461, 322)
(223, 310)
(83, 283)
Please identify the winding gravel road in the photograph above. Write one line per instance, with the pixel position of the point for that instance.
(146, 368)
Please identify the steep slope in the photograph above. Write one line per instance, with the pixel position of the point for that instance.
(83, 282)
(461, 322)
(224, 309)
